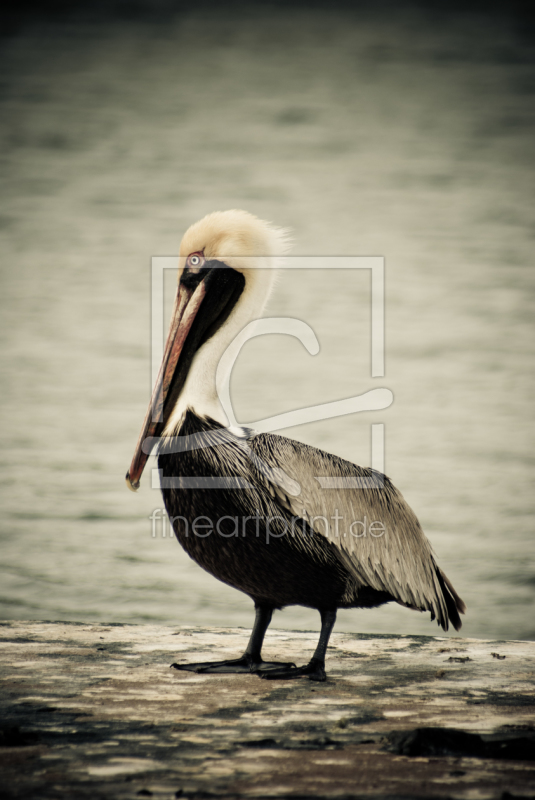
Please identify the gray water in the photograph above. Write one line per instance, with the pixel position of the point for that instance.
(400, 134)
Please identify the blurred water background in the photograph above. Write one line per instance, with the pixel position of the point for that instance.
(403, 130)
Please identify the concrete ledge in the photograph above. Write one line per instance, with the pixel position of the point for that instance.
(94, 711)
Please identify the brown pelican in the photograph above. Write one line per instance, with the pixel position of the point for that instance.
(269, 529)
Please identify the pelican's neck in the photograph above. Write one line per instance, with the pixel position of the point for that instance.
(200, 391)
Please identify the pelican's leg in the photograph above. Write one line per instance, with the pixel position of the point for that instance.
(251, 660)
(315, 669)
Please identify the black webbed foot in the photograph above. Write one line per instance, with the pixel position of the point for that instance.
(273, 665)
(246, 664)
(314, 670)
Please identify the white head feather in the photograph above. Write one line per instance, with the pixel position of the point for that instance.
(250, 246)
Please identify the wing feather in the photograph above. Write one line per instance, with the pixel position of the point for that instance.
(376, 532)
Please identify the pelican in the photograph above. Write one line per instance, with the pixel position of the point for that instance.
(269, 530)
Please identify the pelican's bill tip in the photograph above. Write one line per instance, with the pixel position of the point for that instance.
(133, 486)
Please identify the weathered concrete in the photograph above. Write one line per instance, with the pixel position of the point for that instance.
(94, 711)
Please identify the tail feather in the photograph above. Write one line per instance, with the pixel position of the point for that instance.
(454, 604)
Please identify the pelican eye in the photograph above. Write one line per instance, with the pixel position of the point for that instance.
(195, 260)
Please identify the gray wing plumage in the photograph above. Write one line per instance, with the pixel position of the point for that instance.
(393, 555)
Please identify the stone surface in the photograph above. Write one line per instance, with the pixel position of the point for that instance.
(95, 711)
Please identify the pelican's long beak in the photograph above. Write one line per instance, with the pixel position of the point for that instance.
(187, 304)
(216, 289)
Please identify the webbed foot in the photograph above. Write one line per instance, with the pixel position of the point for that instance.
(314, 670)
(246, 664)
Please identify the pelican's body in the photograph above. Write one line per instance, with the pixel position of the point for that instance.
(247, 507)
